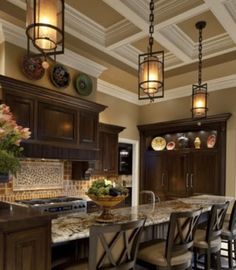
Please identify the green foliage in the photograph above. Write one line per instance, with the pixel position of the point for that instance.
(8, 163)
(106, 187)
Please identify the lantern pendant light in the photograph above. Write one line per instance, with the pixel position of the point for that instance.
(199, 91)
(151, 68)
(45, 26)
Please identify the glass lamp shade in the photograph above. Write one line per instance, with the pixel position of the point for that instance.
(151, 75)
(45, 24)
(199, 101)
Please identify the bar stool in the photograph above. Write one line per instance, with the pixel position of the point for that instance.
(112, 246)
(174, 253)
(208, 241)
(228, 235)
(148, 196)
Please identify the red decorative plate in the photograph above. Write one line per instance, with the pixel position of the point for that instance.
(32, 67)
(170, 145)
(211, 141)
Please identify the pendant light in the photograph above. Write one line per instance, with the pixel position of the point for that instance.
(45, 26)
(199, 91)
(151, 68)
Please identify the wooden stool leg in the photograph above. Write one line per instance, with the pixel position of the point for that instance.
(218, 261)
(230, 254)
(208, 260)
(195, 258)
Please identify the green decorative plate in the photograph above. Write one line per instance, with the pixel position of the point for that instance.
(83, 85)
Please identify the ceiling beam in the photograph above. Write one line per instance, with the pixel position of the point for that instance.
(223, 16)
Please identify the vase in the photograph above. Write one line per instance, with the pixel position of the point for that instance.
(197, 143)
(107, 202)
(4, 177)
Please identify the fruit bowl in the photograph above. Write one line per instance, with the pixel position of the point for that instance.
(107, 202)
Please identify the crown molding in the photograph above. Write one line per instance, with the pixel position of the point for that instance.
(16, 35)
(118, 92)
(179, 92)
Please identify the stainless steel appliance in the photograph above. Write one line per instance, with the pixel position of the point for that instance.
(56, 205)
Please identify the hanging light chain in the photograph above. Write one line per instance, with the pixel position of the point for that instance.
(151, 27)
(200, 58)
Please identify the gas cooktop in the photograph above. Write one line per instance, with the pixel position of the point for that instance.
(57, 204)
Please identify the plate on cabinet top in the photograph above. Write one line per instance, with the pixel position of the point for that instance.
(59, 75)
(211, 141)
(158, 143)
(170, 145)
(83, 84)
(32, 67)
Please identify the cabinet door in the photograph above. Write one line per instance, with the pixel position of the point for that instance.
(88, 129)
(25, 250)
(57, 123)
(155, 173)
(110, 153)
(23, 111)
(204, 177)
(177, 174)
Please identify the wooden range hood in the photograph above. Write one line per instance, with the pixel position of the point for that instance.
(62, 126)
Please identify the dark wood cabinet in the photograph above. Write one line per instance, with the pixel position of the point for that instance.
(88, 129)
(25, 250)
(62, 126)
(25, 239)
(184, 170)
(56, 123)
(107, 163)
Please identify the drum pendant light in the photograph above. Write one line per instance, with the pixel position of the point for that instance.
(45, 26)
(199, 91)
(151, 68)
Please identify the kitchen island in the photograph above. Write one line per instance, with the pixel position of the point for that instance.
(76, 226)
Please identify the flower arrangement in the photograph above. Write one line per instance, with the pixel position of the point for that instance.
(11, 136)
(105, 187)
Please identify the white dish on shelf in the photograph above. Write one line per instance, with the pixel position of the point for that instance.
(158, 143)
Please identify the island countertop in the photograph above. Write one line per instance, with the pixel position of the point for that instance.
(76, 226)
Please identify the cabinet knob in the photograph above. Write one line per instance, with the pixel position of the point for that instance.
(191, 180)
(162, 179)
(187, 174)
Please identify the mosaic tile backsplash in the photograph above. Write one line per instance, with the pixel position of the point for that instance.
(35, 175)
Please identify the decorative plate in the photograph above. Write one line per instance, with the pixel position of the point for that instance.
(59, 75)
(83, 84)
(170, 145)
(211, 141)
(158, 143)
(32, 67)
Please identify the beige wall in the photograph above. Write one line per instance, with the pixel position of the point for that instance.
(2, 58)
(219, 102)
(121, 113)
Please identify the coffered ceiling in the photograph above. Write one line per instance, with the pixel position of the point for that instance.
(113, 32)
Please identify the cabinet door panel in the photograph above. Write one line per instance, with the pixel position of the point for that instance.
(155, 173)
(88, 129)
(56, 123)
(23, 111)
(25, 250)
(110, 152)
(204, 177)
(177, 171)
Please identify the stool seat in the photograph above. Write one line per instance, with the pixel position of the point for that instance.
(226, 232)
(155, 255)
(200, 241)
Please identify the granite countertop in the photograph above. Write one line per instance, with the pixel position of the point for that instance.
(76, 225)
